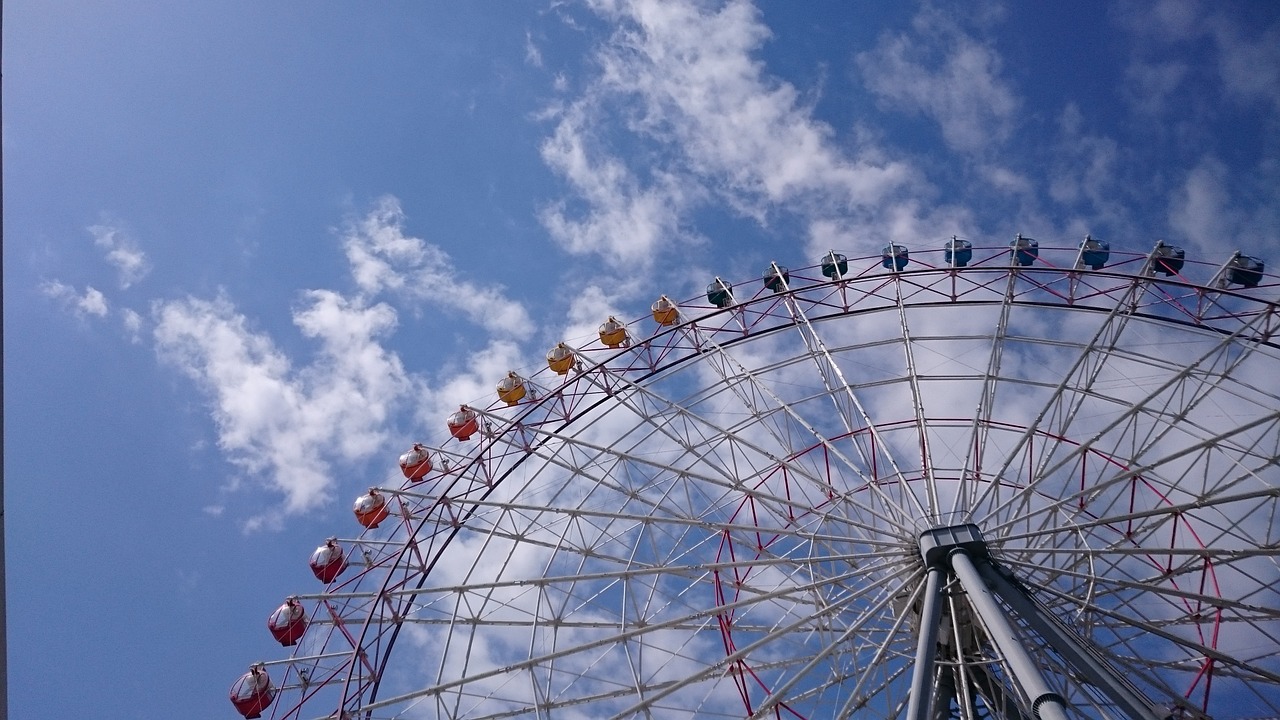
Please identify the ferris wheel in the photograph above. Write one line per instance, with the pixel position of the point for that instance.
(1000, 482)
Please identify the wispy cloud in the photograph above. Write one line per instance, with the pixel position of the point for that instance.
(122, 251)
(1249, 66)
(1149, 85)
(532, 54)
(1244, 62)
(1087, 172)
(680, 85)
(291, 422)
(1208, 74)
(278, 421)
(133, 322)
(384, 258)
(701, 89)
(948, 75)
(1201, 210)
(625, 221)
(90, 302)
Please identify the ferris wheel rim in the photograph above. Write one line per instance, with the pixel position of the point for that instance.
(646, 343)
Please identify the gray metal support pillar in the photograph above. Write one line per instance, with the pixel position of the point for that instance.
(1100, 675)
(918, 707)
(1045, 703)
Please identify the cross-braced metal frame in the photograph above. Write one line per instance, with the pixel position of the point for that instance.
(991, 491)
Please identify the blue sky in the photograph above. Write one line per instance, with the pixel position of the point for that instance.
(252, 251)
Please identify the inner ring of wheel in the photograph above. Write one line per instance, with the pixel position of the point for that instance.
(739, 548)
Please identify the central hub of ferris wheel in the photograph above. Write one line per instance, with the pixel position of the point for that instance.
(937, 544)
(959, 565)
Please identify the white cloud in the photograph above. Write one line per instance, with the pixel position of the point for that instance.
(683, 80)
(91, 302)
(1007, 180)
(384, 258)
(1250, 67)
(1247, 60)
(592, 306)
(1201, 211)
(1087, 172)
(355, 381)
(290, 425)
(532, 54)
(123, 252)
(285, 423)
(1164, 20)
(700, 87)
(961, 89)
(132, 324)
(626, 223)
(379, 252)
(1149, 85)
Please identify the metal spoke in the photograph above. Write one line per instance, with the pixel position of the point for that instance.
(971, 472)
(1226, 343)
(832, 386)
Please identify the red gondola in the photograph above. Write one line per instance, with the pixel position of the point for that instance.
(288, 622)
(252, 693)
(328, 561)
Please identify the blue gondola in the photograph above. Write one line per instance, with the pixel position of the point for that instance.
(1246, 271)
(1168, 259)
(720, 293)
(1094, 253)
(894, 257)
(1025, 250)
(776, 278)
(958, 252)
(834, 265)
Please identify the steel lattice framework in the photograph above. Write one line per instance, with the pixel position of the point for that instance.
(732, 516)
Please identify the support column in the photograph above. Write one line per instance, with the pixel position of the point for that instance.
(1045, 703)
(918, 707)
(1071, 648)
